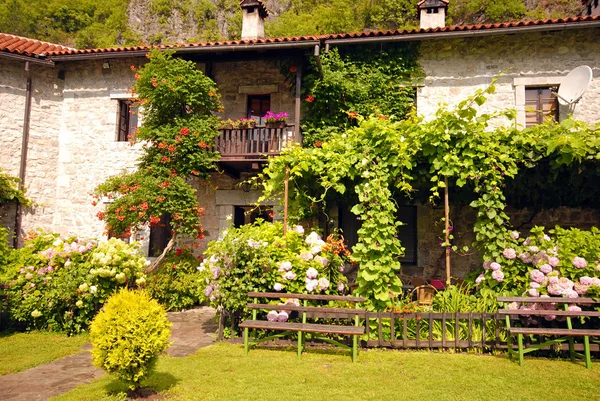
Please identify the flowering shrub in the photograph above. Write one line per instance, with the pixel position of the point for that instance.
(271, 117)
(566, 265)
(128, 335)
(60, 283)
(259, 257)
(175, 283)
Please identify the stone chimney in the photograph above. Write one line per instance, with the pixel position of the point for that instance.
(432, 13)
(254, 13)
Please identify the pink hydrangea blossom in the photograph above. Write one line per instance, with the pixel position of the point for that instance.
(580, 288)
(479, 279)
(306, 256)
(299, 229)
(585, 280)
(527, 241)
(509, 253)
(525, 257)
(537, 276)
(565, 283)
(292, 301)
(285, 266)
(208, 291)
(495, 266)
(553, 261)
(498, 275)
(533, 284)
(546, 268)
(571, 294)
(555, 289)
(322, 260)
(574, 308)
(312, 238)
(341, 268)
(553, 279)
(533, 249)
(312, 273)
(289, 276)
(341, 286)
(323, 284)
(514, 235)
(311, 285)
(596, 281)
(486, 265)
(278, 287)
(272, 316)
(534, 293)
(282, 316)
(579, 263)
(316, 249)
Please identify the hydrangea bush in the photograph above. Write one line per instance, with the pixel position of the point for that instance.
(60, 283)
(259, 257)
(562, 263)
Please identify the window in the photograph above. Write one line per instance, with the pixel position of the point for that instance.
(128, 120)
(540, 103)
(248, 215)
(407, 233)
(258, 105)
(160, 235)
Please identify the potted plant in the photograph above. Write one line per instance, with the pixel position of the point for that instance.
(227, 124)
(273, 120)
(246, 123)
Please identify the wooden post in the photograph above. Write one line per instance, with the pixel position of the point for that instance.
(447, 226)
(298, 104)
(285, 201)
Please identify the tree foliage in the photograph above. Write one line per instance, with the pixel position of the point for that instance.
(9, 190)
(177, 135)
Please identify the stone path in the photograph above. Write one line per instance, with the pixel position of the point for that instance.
(191, 330)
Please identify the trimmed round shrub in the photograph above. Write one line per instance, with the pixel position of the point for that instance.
(128, 334)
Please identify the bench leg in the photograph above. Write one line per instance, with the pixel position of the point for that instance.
(572, 349)
(354, 348)
(299, 344)
(246, 343)
(520, 340)
(588, 358)
(509, 346)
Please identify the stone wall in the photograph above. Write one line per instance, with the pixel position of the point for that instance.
(456, 68)
(236, 80)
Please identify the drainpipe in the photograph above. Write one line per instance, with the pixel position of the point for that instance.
(24, 146)
(318, 60)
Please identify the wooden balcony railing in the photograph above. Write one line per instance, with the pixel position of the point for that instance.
(245, 144)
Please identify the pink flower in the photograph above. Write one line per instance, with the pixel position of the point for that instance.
(525, 257)
(278, 287)
(555, 289)
(305, 256)
(322, 260)
(546, 268)
(282, 316)
(553, 279)
(536, 275)
(534, 293)
(514, 235)
(574, 308)
(341, 286)
(272, 316)
(299, 229)
(533, 284)
(571, 294)
(479, 279)
(289, 276)
(580, 288)
(311, 285)
(208, 291)
(495, 266)
(509, 253)
(498, 275)
(585, 280)
(486, 265)
(323, 283)
(285, 266)
(292, 301)
(312, 273)
(579, 263)
(553, 261)
(596, 281)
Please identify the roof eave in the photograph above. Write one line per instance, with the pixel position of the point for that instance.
(464, 33)
(24, 57)
(191, 49)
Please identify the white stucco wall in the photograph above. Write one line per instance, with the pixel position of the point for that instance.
(454, 69)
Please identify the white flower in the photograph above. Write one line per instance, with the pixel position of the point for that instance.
(316, 249)
(312, 273)
(323, 283)
(202, 267)
(83, 287)
(364, 162)
(229, 217)
(36, 313)
(278, 287)
(57, 242)
(289, 276)
(285, 266)
(94, 289)
(312, 238)
(139, 281)
(299, 229)
(79, 303)
(305, 256)
(311, 285)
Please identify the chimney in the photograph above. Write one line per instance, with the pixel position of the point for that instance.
(254, 13)
(432, 13)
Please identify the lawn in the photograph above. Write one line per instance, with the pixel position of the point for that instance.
(20, 351)
(222, 372)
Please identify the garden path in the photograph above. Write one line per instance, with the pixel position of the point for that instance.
(191, 330)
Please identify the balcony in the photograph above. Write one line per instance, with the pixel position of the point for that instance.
(249, 146)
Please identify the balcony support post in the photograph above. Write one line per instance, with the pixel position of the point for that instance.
(298, 105)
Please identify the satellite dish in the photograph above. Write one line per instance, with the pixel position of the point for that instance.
(574, 85)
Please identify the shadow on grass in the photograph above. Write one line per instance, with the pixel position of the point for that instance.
(158, 382)
(317, 349)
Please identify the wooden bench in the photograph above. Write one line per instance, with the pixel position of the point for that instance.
(315, 329)
(559, 335)
(3, 300)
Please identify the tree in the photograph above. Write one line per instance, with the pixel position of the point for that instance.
(178, 133)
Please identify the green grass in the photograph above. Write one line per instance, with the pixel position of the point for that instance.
(20, 351)
(222, 372)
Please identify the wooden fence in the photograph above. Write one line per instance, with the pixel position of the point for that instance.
(243, 143)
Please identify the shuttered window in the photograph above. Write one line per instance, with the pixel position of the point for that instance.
(258, 105)
(128, 120)
(540, 103)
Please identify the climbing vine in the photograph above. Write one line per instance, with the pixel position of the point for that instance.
(178, 133)
(473, 151)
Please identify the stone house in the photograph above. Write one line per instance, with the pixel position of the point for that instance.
(64, 114)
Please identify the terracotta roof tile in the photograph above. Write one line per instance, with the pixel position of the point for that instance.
(28, 47)
(20, 45)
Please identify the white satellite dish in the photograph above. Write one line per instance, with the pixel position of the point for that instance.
(574, 85)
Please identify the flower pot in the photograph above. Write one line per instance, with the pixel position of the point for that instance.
(252, 125)
(280, 124)
(271, 125)
(228, 126)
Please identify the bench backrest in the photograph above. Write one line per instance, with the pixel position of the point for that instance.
(310, 297)
(550, 300)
